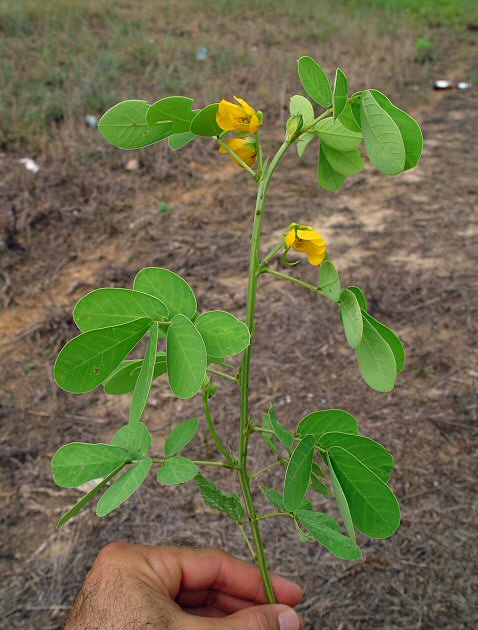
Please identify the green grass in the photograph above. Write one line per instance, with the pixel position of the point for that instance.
(63, 59)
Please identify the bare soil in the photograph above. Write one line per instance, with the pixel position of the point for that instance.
(410, 242)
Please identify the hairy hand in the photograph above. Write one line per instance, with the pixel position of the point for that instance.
(170, 588)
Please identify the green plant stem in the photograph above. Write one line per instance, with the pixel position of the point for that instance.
(263, 516)
(199, 462)
(246, 538)
(245, 429)
(213, 431)
(237, 158)
(284, 276)
(265, 469)
(222, 374)
(271, 254)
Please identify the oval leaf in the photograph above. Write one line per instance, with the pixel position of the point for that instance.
(314, 81)
(341, 92)
(87, 360)
(342, 503)
(297, 477)
(376, 361)
(179, 140)
(391, 338)
(125, 126)
(180, 436)
(112, 307)
(133, 438)
(335, 135)
(204, 123)
(382, 137)
(409, 129)
(174, 109)
(145, 378)
(300, 105)
(177, 470)
(124, 378)
(124, 487)
(351, 316)
(360, 297)
(168, 287)
(186, 357)
(319, 422)
(78, 462)
(328, 178)
(344, 162)
(370, 453)
(373, 506)
(224, 335)
(319, 526)
(329, 281)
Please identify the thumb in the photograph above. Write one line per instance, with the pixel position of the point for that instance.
(268, 617)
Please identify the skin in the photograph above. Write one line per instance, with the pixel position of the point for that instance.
(136, 587)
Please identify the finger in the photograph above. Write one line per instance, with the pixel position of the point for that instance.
(198, 569)
(269, 617)
(200, 611)
(212, 599)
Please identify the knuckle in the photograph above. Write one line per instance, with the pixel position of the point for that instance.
(110, 554)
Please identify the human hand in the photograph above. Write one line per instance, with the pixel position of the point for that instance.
(179, 588)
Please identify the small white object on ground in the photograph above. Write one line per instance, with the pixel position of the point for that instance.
(132, 165)
(463, 85)
(30, 165)
(91, 121)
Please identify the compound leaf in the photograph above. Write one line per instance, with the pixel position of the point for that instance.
(217, 500)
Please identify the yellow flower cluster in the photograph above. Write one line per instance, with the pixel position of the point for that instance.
(307, 241)
(242, 119)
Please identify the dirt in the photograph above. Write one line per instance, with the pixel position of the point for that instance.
(410, 242)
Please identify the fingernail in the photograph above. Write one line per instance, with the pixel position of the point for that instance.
(289, 620)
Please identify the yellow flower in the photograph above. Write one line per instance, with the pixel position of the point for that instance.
(309, 242)
(232, 117)
(245, 148)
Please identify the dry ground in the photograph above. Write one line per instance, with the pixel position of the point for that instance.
(410, 242)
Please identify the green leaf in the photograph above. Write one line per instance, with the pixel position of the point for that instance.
(391, 338)
(274, 497)
(382, 137)
(300, 105)
(319, 486)
(303, 142)
(224, 335)
(204, 123)
(285, 436)
(217, 500)
(180, 436)
(373, 506)
(145, 378)
(341, 92)
(315, 81)
(175, 109)
(304, 537)
(372, 454)
(348, 120)
(344, 162)
(336, 136)
(123, 379)
(329, 281)
(409, 129)
(341, 501)
(78, 462)
(73, 511)
(317, 470)
(360, 297)
(133, 438)
(328, 178)
(376, 360)
(87, 360)
(356, 109)
(179, 140)
(319, 422)
(177, 470)
(351, 316)
(168, 287)
(267, 437)
(121, 490)
(125, 126)
(341, 546)
(186, 357)
(112, 307)
(297, 477)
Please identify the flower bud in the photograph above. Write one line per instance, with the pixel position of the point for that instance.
(293, 127)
